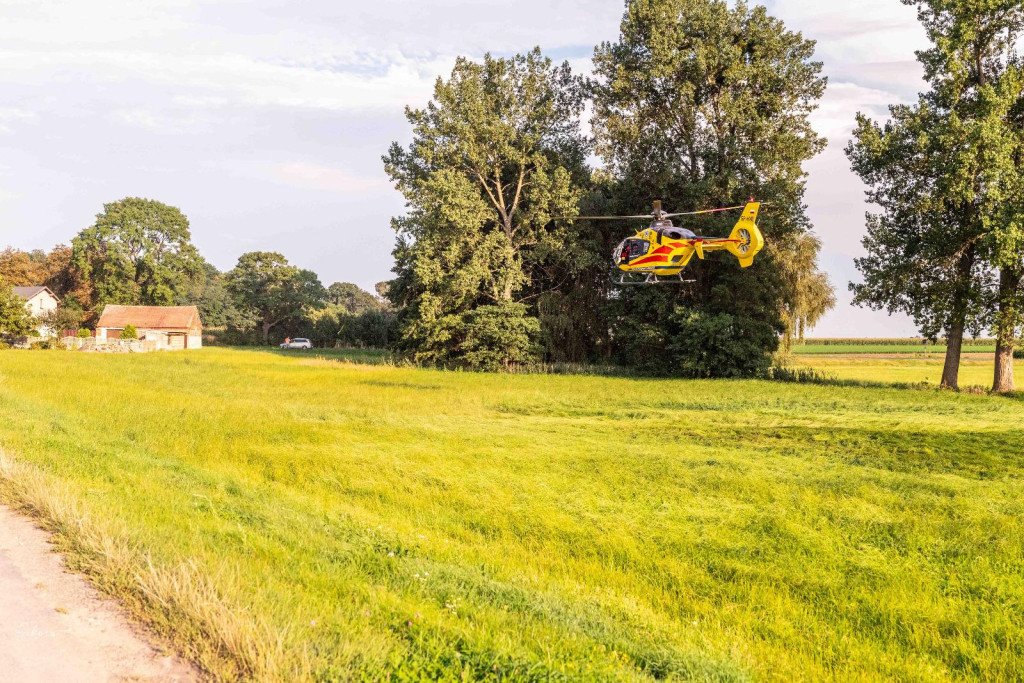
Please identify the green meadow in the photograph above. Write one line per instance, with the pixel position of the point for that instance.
(288, 516)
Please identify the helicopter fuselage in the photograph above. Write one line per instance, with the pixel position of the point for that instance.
(665, 249)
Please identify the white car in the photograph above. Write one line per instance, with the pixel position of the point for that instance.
(298, 343)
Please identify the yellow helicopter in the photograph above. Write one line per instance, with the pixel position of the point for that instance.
(662, 250)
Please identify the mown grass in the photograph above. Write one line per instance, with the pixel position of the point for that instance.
(281, 516)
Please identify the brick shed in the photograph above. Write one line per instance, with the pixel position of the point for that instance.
(171, 327)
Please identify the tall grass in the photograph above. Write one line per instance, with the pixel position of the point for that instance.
(314, 519)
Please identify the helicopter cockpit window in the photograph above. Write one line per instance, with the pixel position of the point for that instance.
(632, 249)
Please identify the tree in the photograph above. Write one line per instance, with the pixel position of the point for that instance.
(922, 247)
(809, 293)
(14, 316)
(64, 278)
(19, 268)
(944, 172)
(496, 155)
(62, 319)
(139, 251)
(705, 105)
(207, 291)
(129, 332)
(352, 298)
(271, 291)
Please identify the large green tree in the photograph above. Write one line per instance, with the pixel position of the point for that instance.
(945, 174)
(496, 155)
(704, 103)
(922, 245)
(270, 291)
(138, 252)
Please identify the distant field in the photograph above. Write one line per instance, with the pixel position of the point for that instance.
(975, 371)
(808, 349)
(283, 516)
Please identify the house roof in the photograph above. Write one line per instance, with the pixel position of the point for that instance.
(28, 293)
(150, 317)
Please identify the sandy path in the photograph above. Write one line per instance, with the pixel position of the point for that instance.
(55, 627)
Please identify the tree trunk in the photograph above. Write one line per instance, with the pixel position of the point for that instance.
(955, 332)
(954, 345)
(1003, 381)
(1006, 329)
(266, 332)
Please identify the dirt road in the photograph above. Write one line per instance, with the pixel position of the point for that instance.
(55, 627)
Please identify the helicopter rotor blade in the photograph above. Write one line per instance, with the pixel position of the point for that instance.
(704, 211)
(649, 216)
(609, 218)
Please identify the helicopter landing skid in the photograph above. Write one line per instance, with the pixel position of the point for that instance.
(648, 279)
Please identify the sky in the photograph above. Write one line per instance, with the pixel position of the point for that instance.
(265, 120)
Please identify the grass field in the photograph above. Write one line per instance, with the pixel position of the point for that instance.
(279, 516)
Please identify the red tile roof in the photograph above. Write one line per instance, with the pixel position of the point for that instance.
(150, 317)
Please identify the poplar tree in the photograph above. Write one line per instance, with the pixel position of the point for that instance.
(922, 247)
(946, 173)
(496, 156)
(705, 103)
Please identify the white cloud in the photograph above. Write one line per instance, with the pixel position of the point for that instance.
(862, 32)
(12, 115)
(835, 117)
(315, 176)
(232, 79)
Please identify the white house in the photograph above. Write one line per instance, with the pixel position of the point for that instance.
(38, 300)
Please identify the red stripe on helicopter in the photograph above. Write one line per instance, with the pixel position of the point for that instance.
(649, 259)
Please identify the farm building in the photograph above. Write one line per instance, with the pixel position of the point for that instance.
(165, 327)
(38, 301)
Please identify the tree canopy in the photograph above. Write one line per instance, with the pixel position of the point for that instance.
(270, 291)
(707, 104)
(352, 298)
(138, 252)
(496, 156)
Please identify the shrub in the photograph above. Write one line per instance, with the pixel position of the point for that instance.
(129, 332)
(84, 333)
(498, 337)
